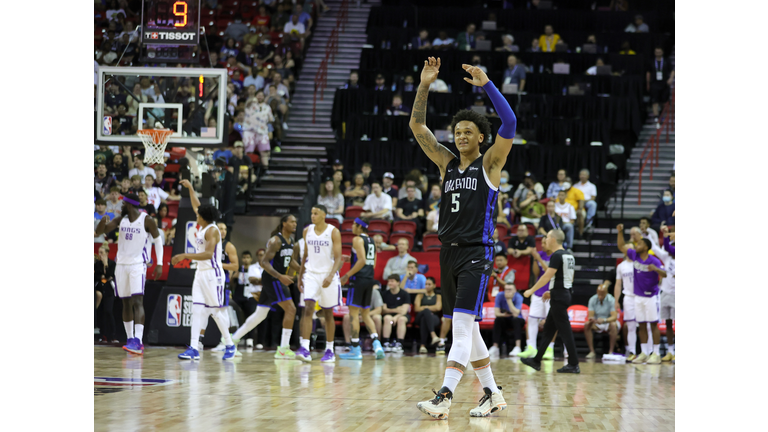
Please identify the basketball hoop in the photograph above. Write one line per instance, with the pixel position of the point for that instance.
(154, 141)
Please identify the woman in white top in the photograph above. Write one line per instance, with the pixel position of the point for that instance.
(331, 197)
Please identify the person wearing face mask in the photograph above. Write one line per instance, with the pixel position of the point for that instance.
(664, 212)
(504, 185)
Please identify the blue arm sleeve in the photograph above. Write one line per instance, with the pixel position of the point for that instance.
(508, 119)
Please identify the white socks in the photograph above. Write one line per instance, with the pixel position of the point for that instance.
(656, 348)
(304, 343)
(198, 315)
(631, 336)
(533, 331)
(139, 331)
(128, 329)
(374, 335)
(221, 317)
(649, 343)
(452, 376)
(328, 345)
(285, 340)
(671, 349)
(485, 376)
(252, 321)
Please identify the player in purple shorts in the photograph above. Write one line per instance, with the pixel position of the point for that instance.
(648, 269)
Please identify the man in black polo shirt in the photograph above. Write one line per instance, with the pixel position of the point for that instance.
(561, 269)
(411, 209)
(522, 243)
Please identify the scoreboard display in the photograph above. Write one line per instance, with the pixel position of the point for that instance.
(169, 30)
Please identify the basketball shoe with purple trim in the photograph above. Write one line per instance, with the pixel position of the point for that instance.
(328, 357)
(134, 346)
(303, 355)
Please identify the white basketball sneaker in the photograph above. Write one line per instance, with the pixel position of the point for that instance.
(489, 403)
(439, 406)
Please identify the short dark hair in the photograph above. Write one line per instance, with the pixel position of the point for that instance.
(246, 252)
(432, 279)
(500, 254)
(394, 277)
(114, 189)
(321, 207)
(479, 120)
(208, 212)
(414, 262)
(101, 202)
(646, 218)
(647, 243)
(375, 182)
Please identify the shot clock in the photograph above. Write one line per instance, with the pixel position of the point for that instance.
(169, 30)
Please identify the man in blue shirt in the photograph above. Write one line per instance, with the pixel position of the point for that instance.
(514, 73)
(412, 281)
(509, 313)
(304, 17)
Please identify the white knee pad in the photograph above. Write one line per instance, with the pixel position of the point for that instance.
(462, 338)
(479, 350)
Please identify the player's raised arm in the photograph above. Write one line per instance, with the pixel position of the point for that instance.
(620, 243)
(192, 194)
(495, 158)
(436, 152)
(105, 225)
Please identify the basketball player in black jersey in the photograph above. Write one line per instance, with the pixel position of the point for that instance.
(470, 192)
(363, 261)
(274, 281)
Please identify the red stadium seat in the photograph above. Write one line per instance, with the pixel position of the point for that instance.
(173, 208)
(522, 268)
(663, 327)
(255, 158)
(502, 230)
(379, 227)
(332, 221)
(178, 152)
(346, 239)
(397, 236)
(346, 226)
(404, 227)
(431, 242)
(525, 311)
(577, 315)
(539, 239)
(170, 168)
(505, 240)
(346, 250)
(352, 212)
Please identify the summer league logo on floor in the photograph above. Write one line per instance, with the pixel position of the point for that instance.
(104, 385)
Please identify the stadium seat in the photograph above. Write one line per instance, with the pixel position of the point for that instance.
(378, 226)
(663, 327)
(531, 230)
(352, 212)
(505, 240)
(397, 236)
(346, 226)
(332, 221)
(255, 158)
(172, 168)
(489, 316)
(502, 230)
(345, 250)
(177, 153)
(346, 239)
(577, 315)
(173, 208)
(539, 239)
(522, 268)
(431, 242)
(525, 311)
(404, 227)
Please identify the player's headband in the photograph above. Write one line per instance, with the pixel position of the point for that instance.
(361, 223)
(132, 202)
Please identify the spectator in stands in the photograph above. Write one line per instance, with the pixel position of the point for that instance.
(433, 199)
(225, 153)
(378, 240)
(236, 29)
(245, 59)
(397, 265)
(665, 211)
(602, 318)
(375, 313)
(638, 26)
(549, 39)
(412, 281)
(114, 204)
(442, 41)
(304, 17)
(590, 194)
(476, 61)
(353, 81)
(514, 73)
(102, 155)
(508, 310)
(433, 220)
(102, 181)
(593, 69)
(331, 197)
(409, 181)
(380, 83)
(671, 186)
(138, 168)
(504, 185)
(118, 168)
(410, 208)
(502, 275)
(256, 121)
(125, 186)
(281, 16)
(567, 215)
(421, 41)
(145, 206)
(556, 186)
(550, 220)
(508, 44)
(506, 213)
(427, 306)
(238, 159)
(466, 39)
(647, 232)
(659, 77)
(155, 195)
(421, 181)
(265, 51)
(367, 171)
(280, 67)
(522, 244)
(262, 18)
(338, 177)
(359, 192)
(160, 176)
(409, 85)
(591, 39)
(531, 210)
(397, 107)
(388, 188)
(136, 184)
(575, 197)
(529, 183)
(295, 30)
(395, 310)
(377, 205)
(626, 49)
(101, 211)
(534, 46)
(228, 50)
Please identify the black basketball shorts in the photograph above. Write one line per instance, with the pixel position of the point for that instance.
(464, 275)
(360, 292)
(273, 292)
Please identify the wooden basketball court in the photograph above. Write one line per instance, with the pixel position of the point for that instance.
(257, 392)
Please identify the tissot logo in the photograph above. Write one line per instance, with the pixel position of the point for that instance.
(185, 36)
(154, 35)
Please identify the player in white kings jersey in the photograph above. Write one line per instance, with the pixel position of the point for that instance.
(209, 284)
(133, 254)
(625, 274)
(319, 280)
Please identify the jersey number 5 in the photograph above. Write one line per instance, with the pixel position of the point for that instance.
(455, 202)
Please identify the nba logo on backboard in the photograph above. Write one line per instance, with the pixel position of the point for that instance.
(191, 232)
(173, 315)
(107, 126)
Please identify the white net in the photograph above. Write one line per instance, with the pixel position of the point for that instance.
(154, 141)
